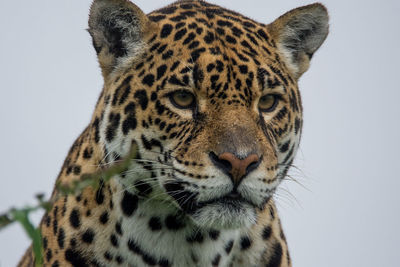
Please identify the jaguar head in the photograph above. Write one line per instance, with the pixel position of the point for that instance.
(210, 97)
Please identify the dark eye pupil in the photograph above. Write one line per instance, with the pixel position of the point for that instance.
(184, 95)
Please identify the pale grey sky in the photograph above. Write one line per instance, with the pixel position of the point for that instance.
(347, 216)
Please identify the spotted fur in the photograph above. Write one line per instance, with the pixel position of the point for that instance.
(200, 191)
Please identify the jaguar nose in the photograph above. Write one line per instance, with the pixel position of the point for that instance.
(236, 168)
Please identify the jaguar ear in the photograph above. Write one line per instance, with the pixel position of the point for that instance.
(118, 29)
(299, 33)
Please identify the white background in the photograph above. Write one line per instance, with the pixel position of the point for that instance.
(348, 215)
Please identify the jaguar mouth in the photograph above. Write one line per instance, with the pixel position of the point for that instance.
(232, 200)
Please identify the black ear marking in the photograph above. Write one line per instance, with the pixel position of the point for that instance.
(118, 29)
(299, 33)
(116, 32)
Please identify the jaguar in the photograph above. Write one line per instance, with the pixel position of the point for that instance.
(209, 100)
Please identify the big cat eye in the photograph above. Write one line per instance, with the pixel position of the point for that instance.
(182, 99)
(268, 103)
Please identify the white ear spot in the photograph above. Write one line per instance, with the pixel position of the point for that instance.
(299, 33)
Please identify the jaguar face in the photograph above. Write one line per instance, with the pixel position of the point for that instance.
(211, 99)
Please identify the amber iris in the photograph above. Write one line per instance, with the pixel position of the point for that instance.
(268, 103)
(182, 99)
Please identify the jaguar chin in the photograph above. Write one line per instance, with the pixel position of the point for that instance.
(228, 212)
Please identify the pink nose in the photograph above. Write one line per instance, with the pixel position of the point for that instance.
(239, 167)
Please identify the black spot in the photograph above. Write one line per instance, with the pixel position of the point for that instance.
(118, 228)
(149, 259)
(173, 222)
(161, 71)
(243, 69)
(190, 38)
(180, 25)
(209, 38)
(210, 67)
(45, 242)
(180, 34)
(166, 30)
(88, 236)
(153, 96)
(266, 234)
(156, 18)
(214, 234)
(119, 259)
(216, 260)
(129, 203)
(55, 225)
(280, 74)
(184, 197)
(100, 195)
(162, 48)
(143, 188)
(224, 23)
(167, 55)
(178, 18)
(47, 220)
(155, 224)
(160, 108)
(228, 247)
(198, 75)
(249, 24)
(168, 10)
(188, 13)
(108, 256)
(104, 217)
(245, 243)
(263, 34)
(164, 263)
(112, 126)
(125, 94)
(149, 144)
(194, 44)
(49, 254)
(75, 258)
(61, 238)
(219, 66)
(74, 218)
(72, 242)
(141, 97)
(55, 264)
(130, 108)
(297, 125)
(134, 247)
(77, 170)
(114, 240)
(237, 32)
(272, 212)
(230, 39)
(195, 237)
(220, 31)
(252, 39)
(186, 6)
(285, 147)
(148, 79)
(87, 153)
(276, 257)
(130, 123)
(97, 130)
(196, 53)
